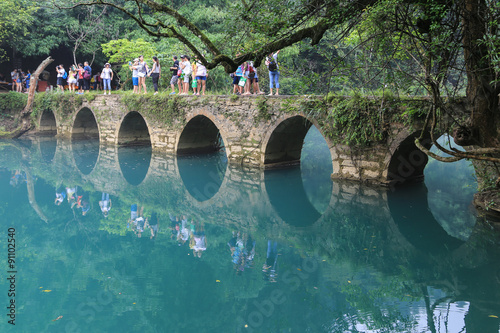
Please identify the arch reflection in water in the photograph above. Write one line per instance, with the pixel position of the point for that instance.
(451, 191)
(202, 175)
(47, 148)
(134, 163)
(410, 211)
(316, 169)
(287, 196)
(85, 154)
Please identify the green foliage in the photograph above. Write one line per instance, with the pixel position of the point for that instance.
(262, 110)
(359, 121)
(12, 101)
(15, 17)
(56, 101)
(122, 51)
(165, 108)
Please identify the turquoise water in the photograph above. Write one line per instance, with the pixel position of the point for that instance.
(286, 250)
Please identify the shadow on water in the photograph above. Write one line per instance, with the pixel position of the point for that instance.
(134, 163)
(202, 175)
(411, 213)
(85, 154)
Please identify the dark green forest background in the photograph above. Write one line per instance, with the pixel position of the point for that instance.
(346, 60)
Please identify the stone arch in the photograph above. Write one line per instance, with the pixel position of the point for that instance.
(85, 125)
(200, 135)
(47, 123)
(406, 162)
(283, 145)
(133, 131)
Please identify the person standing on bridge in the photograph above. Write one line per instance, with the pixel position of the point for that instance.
(175, 76)
(186, 71)
(107, 76)
(80, 71)
(87, 75)
(133, 66)
(155, 74)
(274, 74)
(60, 77)
(142, 71)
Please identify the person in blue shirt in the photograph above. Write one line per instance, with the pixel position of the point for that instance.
(28, 78)
(86, 78)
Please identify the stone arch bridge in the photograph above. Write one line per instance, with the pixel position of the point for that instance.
(260, 132)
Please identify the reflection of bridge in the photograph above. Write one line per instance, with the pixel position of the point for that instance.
(268, 195)
(257, 132)
(381, 220)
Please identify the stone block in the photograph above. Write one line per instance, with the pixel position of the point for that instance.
(371, 174)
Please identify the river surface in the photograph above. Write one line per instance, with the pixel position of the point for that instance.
(232, 249)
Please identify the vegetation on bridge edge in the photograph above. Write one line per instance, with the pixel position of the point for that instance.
(354, 120)
(164, 108)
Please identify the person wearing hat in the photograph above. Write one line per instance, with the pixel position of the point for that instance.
(134, 66)
(186, 70)
(107, 76)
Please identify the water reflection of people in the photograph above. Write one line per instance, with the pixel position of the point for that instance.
(137, 219)
(17, 178)
(174, 226)
(200, 240)
(70, 194)
(105, 204)
(242, 248)
(270, 267)
(153, 225)
(60, 196)
(183, 232)
(82, 202)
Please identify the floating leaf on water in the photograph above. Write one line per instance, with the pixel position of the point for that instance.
(217, 280)
(46, 291)
(493, 316)
(57, 318)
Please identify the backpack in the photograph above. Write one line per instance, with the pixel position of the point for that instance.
(65, 75)
(272, 65)
(251, 72)
(86, 75)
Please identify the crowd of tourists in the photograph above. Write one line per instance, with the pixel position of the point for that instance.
(20, 80)
(186, 75)
(79, 78)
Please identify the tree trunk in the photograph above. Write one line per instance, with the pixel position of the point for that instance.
(25, 114)
(481, 93)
